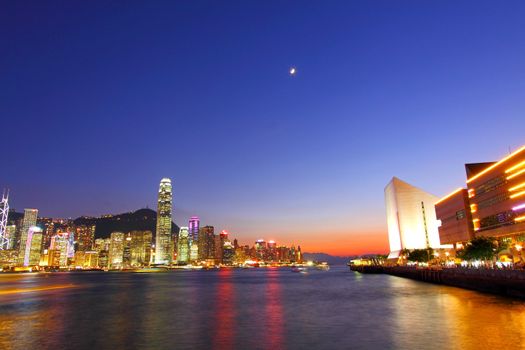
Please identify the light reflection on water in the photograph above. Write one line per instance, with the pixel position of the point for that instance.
(255, 308)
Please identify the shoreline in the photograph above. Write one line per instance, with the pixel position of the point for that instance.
(510, 283)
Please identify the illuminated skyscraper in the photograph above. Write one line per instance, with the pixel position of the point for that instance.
(11, 234)
(61, 249)
(194, 251)
(271, 251)
(33, 246)
(260, 249)
(85, 235)
(228, 253)
(207, 244)
(183, 253)
(116, 250)
(30, 216)
(163, 244)
(194, 238)
(194, 228)
(218, 245)
(140, 248)
(411, 218)
(4, 211)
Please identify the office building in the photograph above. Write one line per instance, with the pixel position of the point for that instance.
(85, 236)
(163, 243)
(61, 250)
(30, 216)
(194, 228)
(206, 243)
(140, 247)
(116, 250)
(33, 246)
(183, 253)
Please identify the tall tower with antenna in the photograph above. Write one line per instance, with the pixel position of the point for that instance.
(4, 211)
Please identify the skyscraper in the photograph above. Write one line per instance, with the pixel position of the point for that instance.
(61, 249)
(140, 248)
(228, 253)
(33, 246)
(183, 253)
(116, 250)
(194, 238)
(163, 246)
(4, 211)
(85, 235)
(206, 243)
(30, 216)
(194, 228)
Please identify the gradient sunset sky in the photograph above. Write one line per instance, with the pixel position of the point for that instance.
(101, 99)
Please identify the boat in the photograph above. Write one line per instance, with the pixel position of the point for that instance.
(323, 266)
(299, 269)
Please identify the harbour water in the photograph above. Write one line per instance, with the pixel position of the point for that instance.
(250, 309)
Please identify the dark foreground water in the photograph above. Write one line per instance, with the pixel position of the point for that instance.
(250, 309)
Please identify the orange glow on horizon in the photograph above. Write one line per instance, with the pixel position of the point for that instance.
(346, 244)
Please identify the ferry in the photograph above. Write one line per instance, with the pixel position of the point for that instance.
(323, 266)
(299, 269)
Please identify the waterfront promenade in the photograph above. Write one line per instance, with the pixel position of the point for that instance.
(502, 282)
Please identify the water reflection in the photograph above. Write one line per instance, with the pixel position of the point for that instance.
(259, 309)
(274, 312)
(224, 329)
(446, 317)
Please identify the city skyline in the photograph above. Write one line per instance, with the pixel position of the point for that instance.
(380, 89)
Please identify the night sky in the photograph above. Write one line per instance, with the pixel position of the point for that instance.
(101, 99)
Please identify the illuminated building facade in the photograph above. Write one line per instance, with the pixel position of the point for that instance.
(163, 242)
(260, 249)
(194, 251)
(140, 248)
(116, 250)
(85, 235)
(495, 200)
(454, 214)
(33, 246)
(11, 234)
(206, 243)
(228, 253)
(30, 216)
(411, 218)
(194, 228)
(62, 249)
(183, 253)
(8, 258)
(102, 248)
(194, 238)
